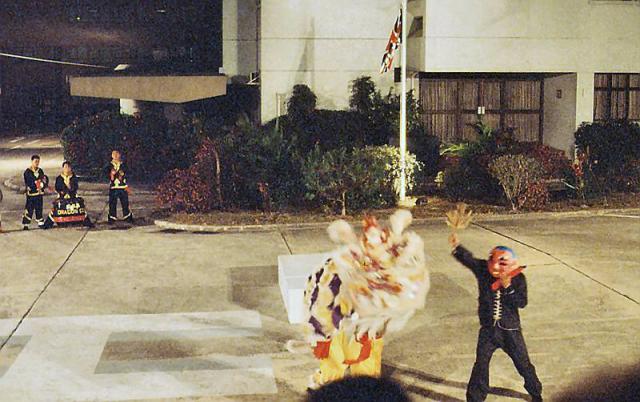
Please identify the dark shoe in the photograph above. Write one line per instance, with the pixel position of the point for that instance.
(129, 219)
(25, 227)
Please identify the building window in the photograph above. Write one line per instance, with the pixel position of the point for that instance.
(451, 105)
(616, 96)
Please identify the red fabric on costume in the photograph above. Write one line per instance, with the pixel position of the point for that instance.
(365, 351)
(321, 351)
(498, 283)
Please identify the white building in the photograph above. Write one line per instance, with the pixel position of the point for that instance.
(541, 67)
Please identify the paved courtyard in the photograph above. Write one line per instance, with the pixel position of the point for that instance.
(146, 314)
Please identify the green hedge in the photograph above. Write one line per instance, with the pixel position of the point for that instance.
(229, 172)
(150, 145)
(612, 150)
(326, 129)
(343, 180)
(253, 155)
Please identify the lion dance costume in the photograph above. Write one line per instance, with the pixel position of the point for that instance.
(371, 285)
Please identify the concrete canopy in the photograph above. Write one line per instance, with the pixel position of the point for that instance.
(168, 89)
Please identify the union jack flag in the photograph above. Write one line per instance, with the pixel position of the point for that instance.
(394, 40)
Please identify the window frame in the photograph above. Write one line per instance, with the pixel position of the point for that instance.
(609, 89)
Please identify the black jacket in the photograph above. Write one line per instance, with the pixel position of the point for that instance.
(500, 307)
(119, 180)
(35, 182)
(63, 190)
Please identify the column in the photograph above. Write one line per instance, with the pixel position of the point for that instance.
(129, 106)
(584, 97)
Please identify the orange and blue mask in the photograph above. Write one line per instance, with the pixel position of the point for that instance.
(502, 260)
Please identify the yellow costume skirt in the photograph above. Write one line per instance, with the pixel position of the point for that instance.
(362, 357)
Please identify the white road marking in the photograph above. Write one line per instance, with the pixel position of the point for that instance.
(32, 142)
(62, 358)
(17, 139)
(623, 216)
(15, 147)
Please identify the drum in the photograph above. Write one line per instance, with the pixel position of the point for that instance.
(68, 210)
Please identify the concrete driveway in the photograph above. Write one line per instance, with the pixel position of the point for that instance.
(121, 308)
(146, 314)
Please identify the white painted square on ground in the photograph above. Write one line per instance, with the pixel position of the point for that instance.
(62, 358)
(293, 271)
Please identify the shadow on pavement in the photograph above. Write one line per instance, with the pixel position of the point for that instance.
(426, 378)
(251, 286)
(607, 385)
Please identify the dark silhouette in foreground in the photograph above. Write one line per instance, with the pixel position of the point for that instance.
(613, 384)
(360, 389)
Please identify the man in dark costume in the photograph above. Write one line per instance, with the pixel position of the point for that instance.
(502, 291)
(36, 183)
(68, 208)
(118, 188)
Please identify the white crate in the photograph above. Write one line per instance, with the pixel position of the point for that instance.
(293, 272)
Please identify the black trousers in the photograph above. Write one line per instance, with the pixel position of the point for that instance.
(34, 204)
(114, 196)
(512, 342)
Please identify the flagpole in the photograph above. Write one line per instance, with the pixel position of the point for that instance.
(403, 104)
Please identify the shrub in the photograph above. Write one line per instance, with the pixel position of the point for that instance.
(535, 197)
(376, 113)
(352, 180)
(88, 142)
(632, 175)
(151, 146)
(363, 95)
(427, 150)
(386, 111)
(382, 119)
(611, 146)
(260, 157)
(248, 167)
(301, 103)
(466, 174)
(484, 144)
(196, 189)
(466, 170)
(183, 190)
(331, 177)
(515, 173)
(555, 164)
(468, 179)
(326, 129)
(390, 157)
(208, 166)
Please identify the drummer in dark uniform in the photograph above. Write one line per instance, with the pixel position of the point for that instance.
(68, 208)
(67, 182)
(36, 183)
(116, 171)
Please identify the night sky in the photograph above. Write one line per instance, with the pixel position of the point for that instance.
(179, 32)
(173, 37)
